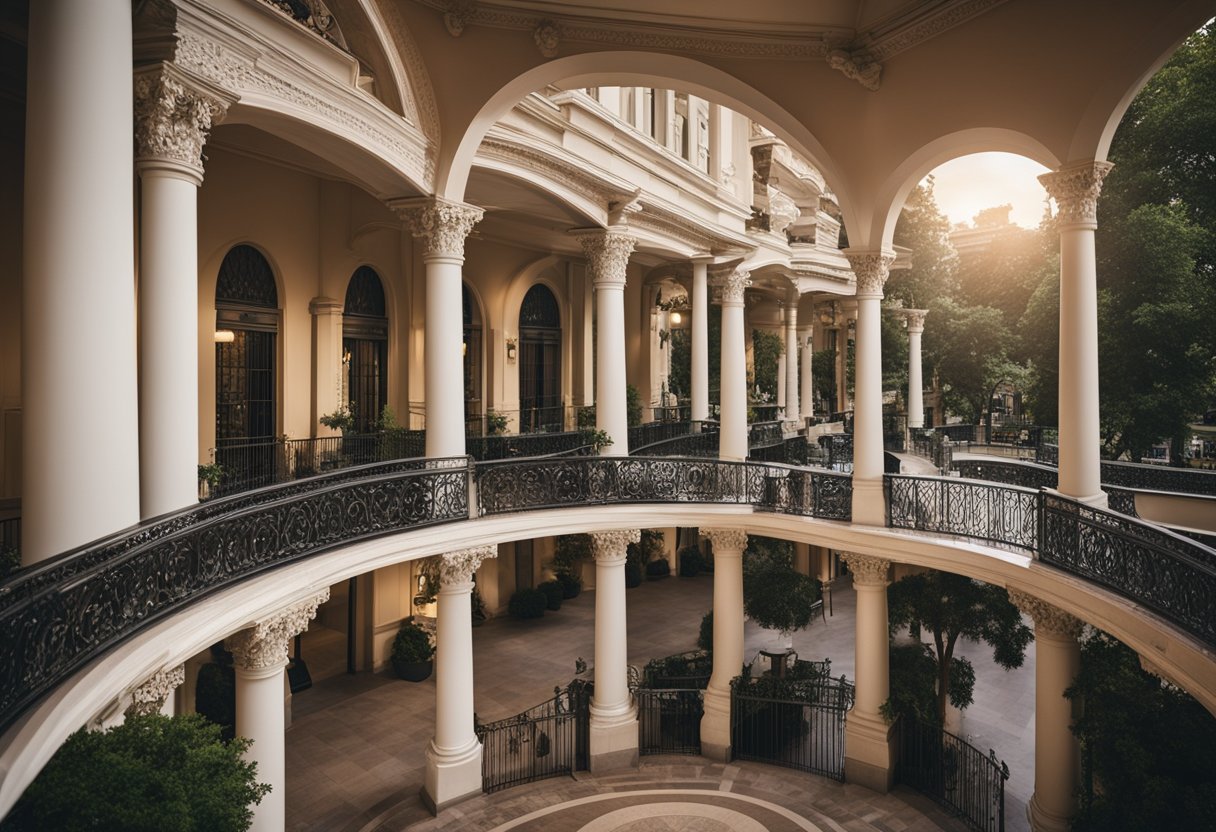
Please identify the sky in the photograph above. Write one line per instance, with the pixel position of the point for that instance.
(965, 186)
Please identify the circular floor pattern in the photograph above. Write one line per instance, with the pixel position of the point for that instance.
(662, 810)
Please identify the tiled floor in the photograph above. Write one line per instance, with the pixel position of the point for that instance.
(355, 751)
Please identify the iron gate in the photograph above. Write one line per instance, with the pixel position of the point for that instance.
(548, 740)
(954, 773)
(669, 720)
(798, 724)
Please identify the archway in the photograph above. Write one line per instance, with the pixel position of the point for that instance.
(540, 362)
(471, 349)
(247, 326)
(365, 348)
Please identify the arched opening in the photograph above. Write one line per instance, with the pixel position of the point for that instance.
(247, 326)
(540, 348)
(365, 348)
(471, 351)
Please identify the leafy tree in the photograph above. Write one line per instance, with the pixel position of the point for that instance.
(151, 774)
(923, 228)
(767, 348)
(969, 346)
(913, 684)
(1148, 749)
(894, 351)
(679, 378)
(823, 374)
(1006, 272)
(1039, 346)
(951, 607)
(775, 595)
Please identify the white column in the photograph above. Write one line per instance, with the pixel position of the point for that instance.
(781, 380)
(728, 546)
(81, 478)
(607, 260)
(732, 438)
(1057, 752)
(614, 730)
(915, 320)
(453, 759)
(156, 693)
(700, 339)
(806, 400)
(792, 405)
(327, 360)
(1075, 189)
(867, 745)
(871, 269)
(259, 657)
(442, 227)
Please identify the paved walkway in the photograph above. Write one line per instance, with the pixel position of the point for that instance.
(355, 751)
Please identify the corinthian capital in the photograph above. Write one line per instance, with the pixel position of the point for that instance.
(1075, 189)
(174, 115)
(867, 570)
(264, 645)
(871, 268)
(457, 568)
(726, 541)
(915, 319)
(440, 225)
(1049, 620)
(150, 697)
(607, 255)
(609, 547)
(733, 285)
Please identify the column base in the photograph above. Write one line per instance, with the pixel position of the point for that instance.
(1042, 820)
(451, 778)
(1099, 500)
(613, 745)
(869, 502)
(867, 752)
(715, 726)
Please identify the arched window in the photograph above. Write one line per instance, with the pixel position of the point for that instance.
(472, 360)
(365, 348)
(540, 385)
(247, 326)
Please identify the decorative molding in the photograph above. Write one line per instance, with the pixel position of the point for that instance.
(782, 211)
(867, 570)
(1075, 189)
(264, 645)
(442, 226)
(872, 269)
(607, 255)
(420, 104)
(1048, 620)
(856, 66)
(578, 178)
(457, 567)
(457, 17)
(733, 286)
(908, 32)
(610, 546)
(173, 117)
(726, 541)
(150, 697)
(548, 37)
(915, 319)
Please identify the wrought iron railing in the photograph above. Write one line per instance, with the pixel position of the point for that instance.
(669, 720)
(952, 772)
(760, 434)
(648, 433)
(1125, 476)
(1002, 514)
(792, 723)
(548, 740)
(703, 444)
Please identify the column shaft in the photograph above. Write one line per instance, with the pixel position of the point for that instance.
(792, 405)
(806, 399)
(443, 364)
(916, 387)
(867, 735)
(614, 732)
(327, 360)
(608, 261)
(869, 506)
(260, 717)
(700, 341)
(728, 545)
(81, 477)
(732, 439)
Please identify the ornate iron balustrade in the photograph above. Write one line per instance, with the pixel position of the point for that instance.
(487, 448)
(810, 492)
(760, 434)
(650, 433)
(1002, 514)
(794, 723)
(59, 614)
(1134, 475)
(548, 740)
(1022, 474)
(954, 773)
(1166, 572)
(704, 444)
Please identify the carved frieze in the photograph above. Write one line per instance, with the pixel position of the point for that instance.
(547, 36)
(439, 225)
(264, 645)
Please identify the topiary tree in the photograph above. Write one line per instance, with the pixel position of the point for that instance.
(151, 774)
(776, 596)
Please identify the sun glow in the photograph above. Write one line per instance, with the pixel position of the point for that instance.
(967, 185)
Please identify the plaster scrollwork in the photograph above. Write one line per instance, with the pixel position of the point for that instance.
(734, 285)
(872, 269)
(726, 541)
(607, 255)
(548, 37)
(782, 210)
(866, 72)
(458, 567)
(457, 17)
(1049, 620)
(610, 546)
(867, 570)
(441, 226)
(915, 319)
(1075, 188)
(264, 645)
(150, 697)
(173, 120)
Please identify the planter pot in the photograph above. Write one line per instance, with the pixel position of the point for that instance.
(413, 671)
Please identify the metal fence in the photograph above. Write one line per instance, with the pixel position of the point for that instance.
(953, 772)
(669, 720)
(548, 740)
(797, 724)
(995, 513)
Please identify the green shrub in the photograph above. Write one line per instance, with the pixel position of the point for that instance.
(553, 594)
(658, 568)
(527, 603)
(151, 774)
(412, 644)
(633, 406)
(572, 584)
(633, 574)
(705, 638)
(690, 562)
(10, 560)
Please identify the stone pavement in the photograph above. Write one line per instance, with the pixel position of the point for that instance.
(355, 751)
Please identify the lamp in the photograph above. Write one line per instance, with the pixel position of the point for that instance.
(224, 336)
(511, 350)
(676, 318)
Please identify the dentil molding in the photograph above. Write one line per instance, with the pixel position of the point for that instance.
(264, 645)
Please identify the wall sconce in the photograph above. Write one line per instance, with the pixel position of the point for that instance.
(464, 348)
(224, 336)
(511, 350)
(676, 318)
(827, 314)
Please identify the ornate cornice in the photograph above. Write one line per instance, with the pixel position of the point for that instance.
(173, 117)
(1075, 189)
(726, 541)
(1048, 620)
(457, 568)
(264, 645)
(442, 226)
(610, 546)
(734, 285)
(607, 255)
(578, 178)
(915, 319)
(150, 697)
(872, 269)
(867, 570)
(924, 21)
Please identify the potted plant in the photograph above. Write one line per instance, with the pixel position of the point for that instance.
(528, 603)
(553, 593)
(412, 652)
(658, 568)
(496, 423)
(209, 477)
(342, 419)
